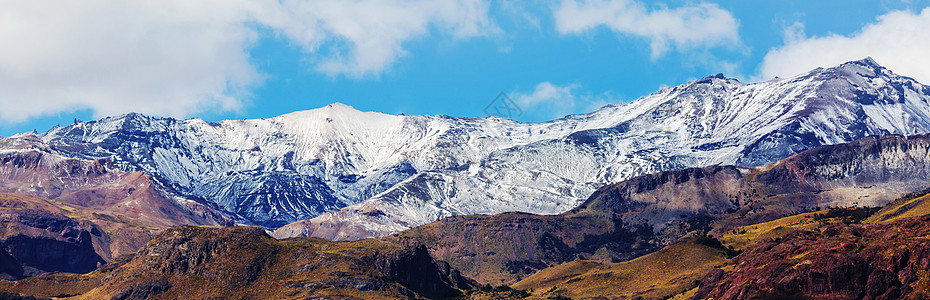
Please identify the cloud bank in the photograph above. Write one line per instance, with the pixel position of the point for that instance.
(161, 57)
(368, 34)
(179, 57)
(898, 40)
(686, 27)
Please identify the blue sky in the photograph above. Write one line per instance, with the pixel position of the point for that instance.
(234, 59)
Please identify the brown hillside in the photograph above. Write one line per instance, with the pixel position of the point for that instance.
(244, 262)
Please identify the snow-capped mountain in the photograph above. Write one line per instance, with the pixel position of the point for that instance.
(711, 121)
(295, 166)
(395, 172)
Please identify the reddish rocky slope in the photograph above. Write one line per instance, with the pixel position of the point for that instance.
(71, 215)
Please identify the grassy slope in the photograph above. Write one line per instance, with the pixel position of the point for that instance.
(741, 237)
(673, 270)
(902, 208)
(53, 284)
(879, 260)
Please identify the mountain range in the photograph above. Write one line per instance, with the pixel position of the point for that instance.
(342, 174)
(714, 188)
(725, 232)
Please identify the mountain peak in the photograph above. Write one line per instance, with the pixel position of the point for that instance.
(863, 64)
(711, 78)
(335, 110)
(130, 116)
(339, 106)
(867, 61)
(856, 71)
(338, 117)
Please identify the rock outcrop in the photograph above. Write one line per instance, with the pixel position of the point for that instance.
(37, 241)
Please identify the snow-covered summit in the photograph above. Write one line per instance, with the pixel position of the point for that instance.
(398, 171)
(710, 121)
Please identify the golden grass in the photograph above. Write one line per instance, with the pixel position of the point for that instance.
(53, 284)
(902, 208)
(686, 295)
(673, 270)
(741, 237)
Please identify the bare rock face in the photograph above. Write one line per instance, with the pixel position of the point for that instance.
(37, 241)
(841, 261)
(868, 172)
(414, 268)
(193, 251)
(503, 248)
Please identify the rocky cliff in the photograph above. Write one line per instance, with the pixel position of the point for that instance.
(34, 241)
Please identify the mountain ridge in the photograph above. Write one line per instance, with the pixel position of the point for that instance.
(596, 241)
(361, 168)
(584, 160)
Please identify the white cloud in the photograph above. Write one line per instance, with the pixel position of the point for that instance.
(374, 30)
(547, 92)
(160, 57)
(698, 25)
(898, 40)
(549, 101)
(180, 57)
